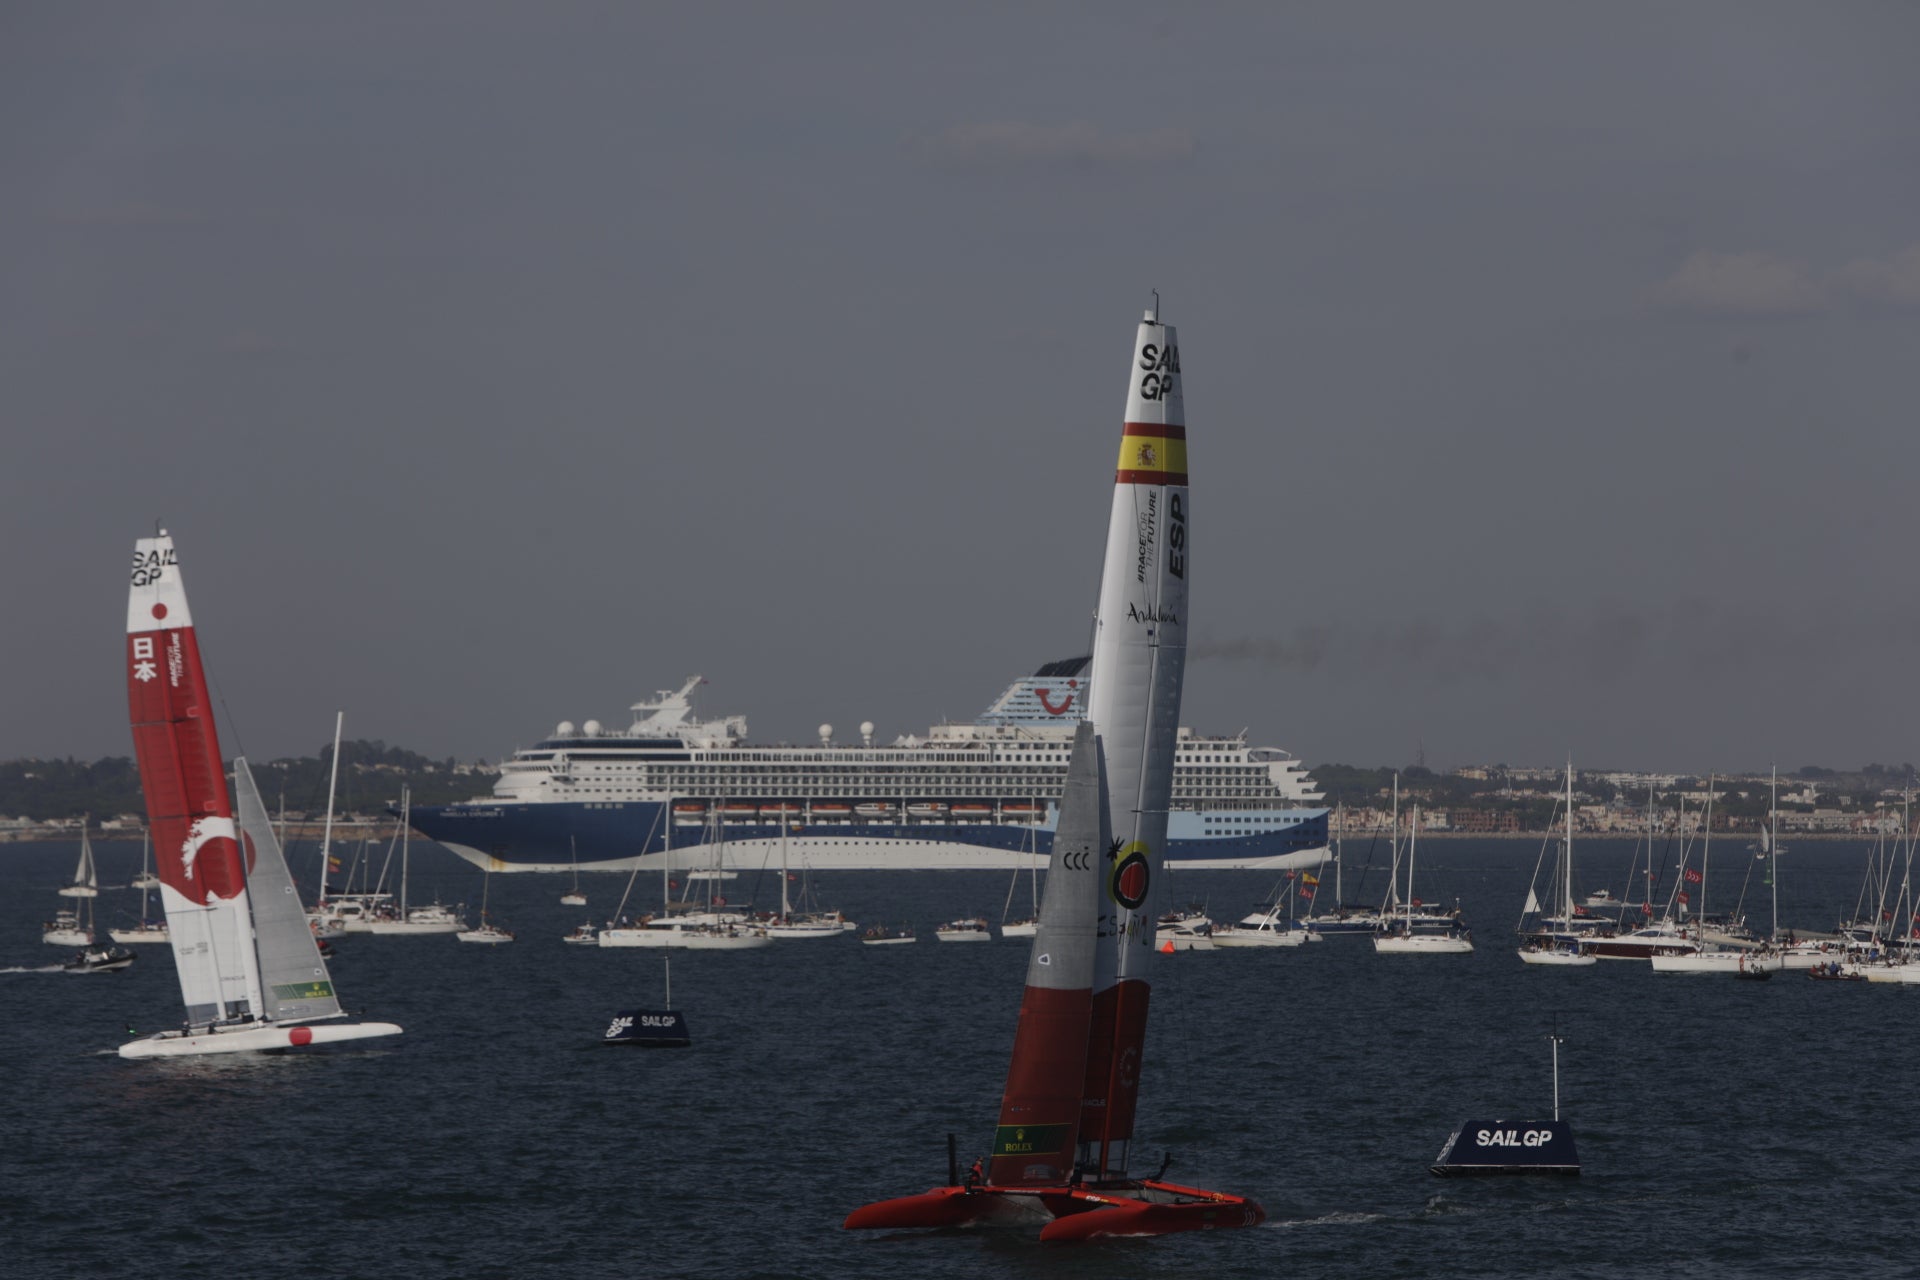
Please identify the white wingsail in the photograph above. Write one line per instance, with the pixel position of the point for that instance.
(1139, 659)
(294, 981)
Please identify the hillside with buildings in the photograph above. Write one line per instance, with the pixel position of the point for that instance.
(41, 799)
(1503, 799)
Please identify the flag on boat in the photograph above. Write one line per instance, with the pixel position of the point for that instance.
(1684, 899)
(1693, 876)
(1307, 877)
(1306, 893)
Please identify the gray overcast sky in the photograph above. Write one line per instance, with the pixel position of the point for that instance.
(1550, 370)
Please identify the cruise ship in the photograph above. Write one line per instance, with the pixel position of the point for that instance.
(695, 794)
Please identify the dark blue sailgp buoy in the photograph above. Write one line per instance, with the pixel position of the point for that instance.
(650, 1028)
(1482, 1147)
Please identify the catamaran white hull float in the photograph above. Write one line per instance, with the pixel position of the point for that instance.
(1066, 1117)
(250, 971)
(252, 1039)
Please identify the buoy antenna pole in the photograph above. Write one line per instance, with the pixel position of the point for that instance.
(1557, 1040)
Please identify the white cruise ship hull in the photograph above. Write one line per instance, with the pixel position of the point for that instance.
(966, 797)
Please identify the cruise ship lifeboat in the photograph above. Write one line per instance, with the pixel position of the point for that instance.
(833, 811)
(927, 810)
(973, 811)
(874, 810)
(740, 811)
(1023, 810)
(782, 810)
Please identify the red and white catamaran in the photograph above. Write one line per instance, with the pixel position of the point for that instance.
(250, 972)
(1060, 1153)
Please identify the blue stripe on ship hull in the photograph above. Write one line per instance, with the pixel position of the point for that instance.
(530, 835)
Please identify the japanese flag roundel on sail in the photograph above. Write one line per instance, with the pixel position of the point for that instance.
(1040, 1111)
(203, 883)
(1139, 656)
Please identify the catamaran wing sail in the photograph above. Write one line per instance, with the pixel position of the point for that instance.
(196, 854)
(1040, 1111)
(293, 978)
(1139, 657)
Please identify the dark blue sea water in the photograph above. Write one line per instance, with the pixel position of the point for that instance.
(1728, 1128)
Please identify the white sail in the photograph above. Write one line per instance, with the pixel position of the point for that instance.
(1139, 658)
(86, 881)
(294, 982)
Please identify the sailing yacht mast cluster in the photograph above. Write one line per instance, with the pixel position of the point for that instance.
(1060, 1152)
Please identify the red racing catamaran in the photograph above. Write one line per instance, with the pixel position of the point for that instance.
(1060, 1152)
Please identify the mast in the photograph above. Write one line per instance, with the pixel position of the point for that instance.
(1139, 658)
(326, 831)
(1413, 841)
(1773, 845)
(406, 808)
(1339, 852)
(1040, 1110)
(1566, 909)
(1706, 851)
(1393, 852)
(786, 912)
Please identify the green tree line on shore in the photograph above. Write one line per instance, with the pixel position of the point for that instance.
(371, 776)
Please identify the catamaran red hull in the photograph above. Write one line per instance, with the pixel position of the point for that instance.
(1136, 1209)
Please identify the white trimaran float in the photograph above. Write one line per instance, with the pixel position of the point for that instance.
(1066, 1118)
(250, 972)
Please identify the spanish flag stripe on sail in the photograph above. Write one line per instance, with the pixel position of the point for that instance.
(1152, 454)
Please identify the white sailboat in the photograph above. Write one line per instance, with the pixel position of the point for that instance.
(811, 922)
(573, 897)
(1029, 924)
(1556, 940)
(251, 975)
(334, 917)
(86, 879)
(1343, 917)
(73, 926)
(149, 929)
(1400, 939)
(714, 929)
(413, 921)
(486, 932)
(1794, 951)
(1709, 955)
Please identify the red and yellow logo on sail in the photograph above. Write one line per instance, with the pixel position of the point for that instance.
(1152, 453)
(1129, 876)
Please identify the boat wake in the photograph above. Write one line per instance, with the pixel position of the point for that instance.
(1348, 1218)
(35, 968)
